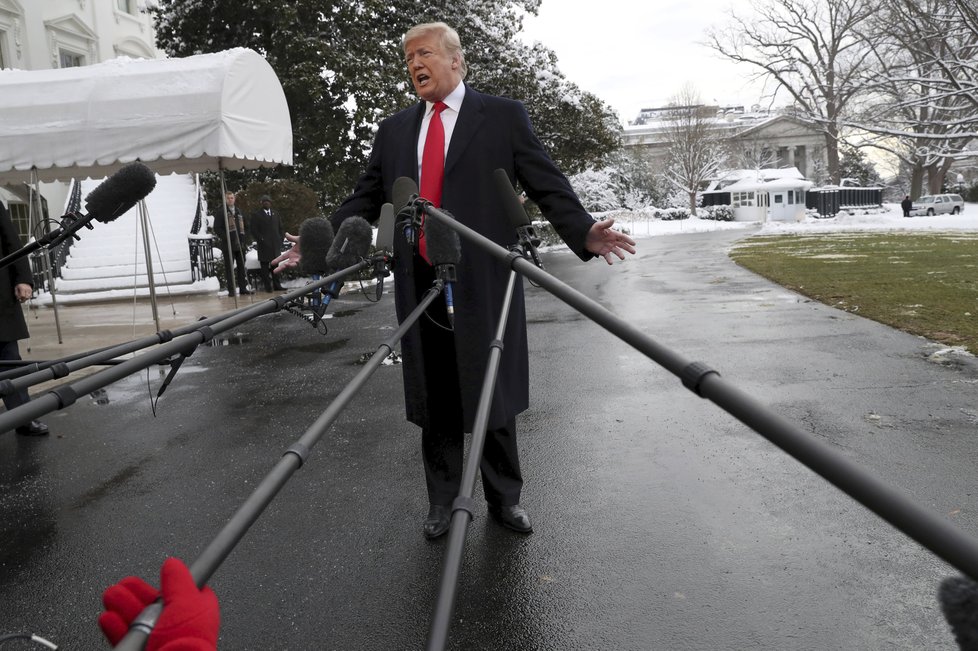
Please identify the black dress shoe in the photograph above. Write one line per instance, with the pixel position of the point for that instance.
(244, 292)
(436, 524)
(512, 517)
(33, 428)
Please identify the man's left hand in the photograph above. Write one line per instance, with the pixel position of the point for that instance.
(23, 292)
(603, 240)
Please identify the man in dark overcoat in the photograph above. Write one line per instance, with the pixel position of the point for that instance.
(266, 228)
(443, 369)
(16, 286)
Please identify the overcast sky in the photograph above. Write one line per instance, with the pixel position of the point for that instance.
(638, 54)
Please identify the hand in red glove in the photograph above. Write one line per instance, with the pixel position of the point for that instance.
(190, 617)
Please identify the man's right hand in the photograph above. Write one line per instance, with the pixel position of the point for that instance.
(290, 259)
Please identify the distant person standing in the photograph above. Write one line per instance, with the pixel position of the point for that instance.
(234, 230)
(907, 205)
(266, 227)
(16, 286)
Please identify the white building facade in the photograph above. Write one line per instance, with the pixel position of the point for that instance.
(45, 34)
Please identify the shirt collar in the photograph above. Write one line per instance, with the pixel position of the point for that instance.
(453, 101)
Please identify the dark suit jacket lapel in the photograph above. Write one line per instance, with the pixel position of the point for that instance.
(470, 119)
(407, 157)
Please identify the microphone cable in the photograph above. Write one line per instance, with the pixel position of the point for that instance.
(313, 318)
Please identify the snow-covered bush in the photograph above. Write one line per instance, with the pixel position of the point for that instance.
(670, 214)
(599, 190)
(721, 213)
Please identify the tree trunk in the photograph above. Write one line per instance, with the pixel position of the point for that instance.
(935, 179)
(832, 156)
(916, 180)
(692, 204)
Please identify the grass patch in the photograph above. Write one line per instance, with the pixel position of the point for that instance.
(922, 283)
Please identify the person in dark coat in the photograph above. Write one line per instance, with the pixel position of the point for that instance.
(907, 205)
(232, 229)
(16, 286)
(443, 370)
(266, 228)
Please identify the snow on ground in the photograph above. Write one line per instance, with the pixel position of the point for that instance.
(889, 218)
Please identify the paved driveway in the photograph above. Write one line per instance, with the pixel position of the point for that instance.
(661, 522)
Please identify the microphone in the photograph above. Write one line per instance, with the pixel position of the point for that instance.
(384, 246)
(404, 192)
(959, 602)
(315, 236)
(113, 197)
(120, 192)
(444, 251)
(351, 244)
(529, 241)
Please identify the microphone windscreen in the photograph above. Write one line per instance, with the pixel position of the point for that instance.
(511, 203)
(385, 228)
(351, 244)
(442, 242)
(117, 194)
(404, 188)
(959, 601)
(315, 237)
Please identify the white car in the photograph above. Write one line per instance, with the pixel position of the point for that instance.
(936, 204)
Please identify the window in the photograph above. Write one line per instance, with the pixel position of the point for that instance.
(70, 59)
(791, 197)
(124, 6)
(20, 216)
(738, 199)
(778, 198)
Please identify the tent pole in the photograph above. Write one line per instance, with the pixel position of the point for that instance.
(33, 219)
(143, 221)
(229, 265)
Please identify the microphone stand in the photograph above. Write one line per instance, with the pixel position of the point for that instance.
(463, 504)
(221, 546)
(59, 368)
(66, 394)
(930, 530)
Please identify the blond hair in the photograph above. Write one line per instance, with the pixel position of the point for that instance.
(448, 37)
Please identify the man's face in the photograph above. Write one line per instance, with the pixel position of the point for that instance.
(230, 199)
(434, 71)
(266, 204)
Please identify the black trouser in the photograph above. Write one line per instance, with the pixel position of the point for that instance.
(443, 440)
(269, 281)
(10, 352)
(239, 268)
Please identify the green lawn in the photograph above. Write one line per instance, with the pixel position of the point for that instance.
(922, 283)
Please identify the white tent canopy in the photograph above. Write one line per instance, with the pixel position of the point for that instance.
(204, 112)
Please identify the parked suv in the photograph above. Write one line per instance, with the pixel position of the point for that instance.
(936, 204)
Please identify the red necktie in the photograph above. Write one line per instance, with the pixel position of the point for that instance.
(432, 168)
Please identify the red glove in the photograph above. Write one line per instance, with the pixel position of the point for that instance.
(190, 617)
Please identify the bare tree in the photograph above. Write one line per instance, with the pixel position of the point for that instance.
(813, 51)
(696, 146)
(756, 156)
(924, 92)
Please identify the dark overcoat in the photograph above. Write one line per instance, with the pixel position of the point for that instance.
(267, 232)
(490, 133)
(13, 327)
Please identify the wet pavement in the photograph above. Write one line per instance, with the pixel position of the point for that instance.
(660, 521)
